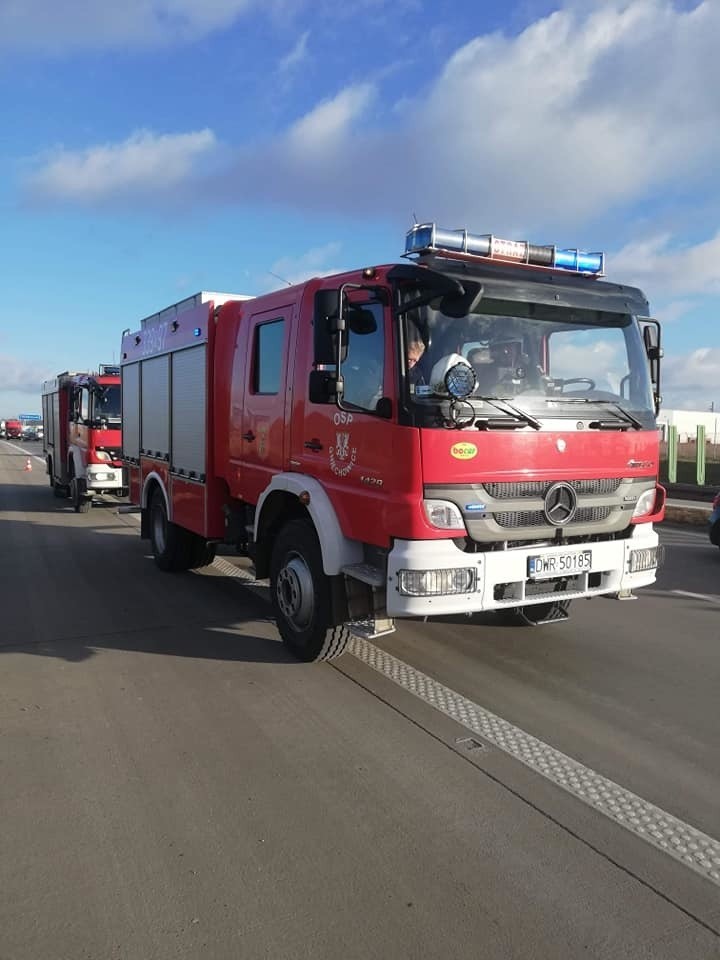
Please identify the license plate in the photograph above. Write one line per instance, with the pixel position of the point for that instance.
(560, 564)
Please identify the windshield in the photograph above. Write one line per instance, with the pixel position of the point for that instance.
(107, 403)
(542, 358)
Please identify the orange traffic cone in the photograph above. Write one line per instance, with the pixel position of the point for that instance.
(28, 465)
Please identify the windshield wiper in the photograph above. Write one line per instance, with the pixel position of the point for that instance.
(624, 419)
(521, 417)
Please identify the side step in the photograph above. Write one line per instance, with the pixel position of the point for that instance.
(534, 615)
(365, 572)
(372, 629)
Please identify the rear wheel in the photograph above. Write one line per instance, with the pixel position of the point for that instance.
(301, 597)
(715, 533)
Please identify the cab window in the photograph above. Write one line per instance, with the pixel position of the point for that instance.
(363, 367)
(268, 356)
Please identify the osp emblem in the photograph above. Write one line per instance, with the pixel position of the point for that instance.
(560, 504)
(560, 444)
(342, 443)
(342, 455)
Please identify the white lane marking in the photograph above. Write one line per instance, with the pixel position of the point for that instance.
(681, 841)
(708, 597)
(678, 839)
(20, 450)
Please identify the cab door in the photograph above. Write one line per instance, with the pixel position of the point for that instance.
(262, 445)
(352, 448)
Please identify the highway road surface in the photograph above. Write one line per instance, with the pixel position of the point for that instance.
(173, 785)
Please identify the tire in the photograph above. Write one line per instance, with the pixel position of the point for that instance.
(80, 501)
(301, 597)
(715, 533)
(60, 491)
(172, 546)
(203, 553)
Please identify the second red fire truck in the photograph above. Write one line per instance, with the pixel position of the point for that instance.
(82, 439)
(472, 430)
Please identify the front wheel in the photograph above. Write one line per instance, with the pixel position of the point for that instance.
(301, 598)
(78, 493)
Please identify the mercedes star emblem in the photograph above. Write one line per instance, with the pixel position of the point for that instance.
(560, 504)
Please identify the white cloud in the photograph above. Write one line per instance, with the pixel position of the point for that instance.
(20, 376)
(60, 26)
(592, 107)
(691, 381)
(297, 55)
(145, 161)
(668, 269)
(329, 124)
(674, 310)
(317, 262)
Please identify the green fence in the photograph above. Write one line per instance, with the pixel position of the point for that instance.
(694, 462)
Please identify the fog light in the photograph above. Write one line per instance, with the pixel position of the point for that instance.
(645, 559)
(434, 583)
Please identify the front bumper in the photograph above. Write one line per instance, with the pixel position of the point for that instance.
(99, 477)
(501, 578)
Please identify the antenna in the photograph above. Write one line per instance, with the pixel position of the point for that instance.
(415, 219)
(282, 279)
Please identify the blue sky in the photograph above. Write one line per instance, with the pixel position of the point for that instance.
(154, 148)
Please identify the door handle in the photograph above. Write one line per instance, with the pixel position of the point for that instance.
(249, 436)
(313, 444)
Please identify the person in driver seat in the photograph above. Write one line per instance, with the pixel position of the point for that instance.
(487, 371)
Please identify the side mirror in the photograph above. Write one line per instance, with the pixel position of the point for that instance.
(324, 386)
(651, 340)
(327, 321)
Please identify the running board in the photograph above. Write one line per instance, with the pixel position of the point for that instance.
(372, 629)
(366, 573)
(557, 613)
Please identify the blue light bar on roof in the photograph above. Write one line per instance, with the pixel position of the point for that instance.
(427, 238)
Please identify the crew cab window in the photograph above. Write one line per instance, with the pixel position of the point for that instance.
(363, 367)
(268, 357)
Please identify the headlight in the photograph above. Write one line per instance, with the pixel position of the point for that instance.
(645, 504)
(443, 514)
(103, 456)
(435, 583)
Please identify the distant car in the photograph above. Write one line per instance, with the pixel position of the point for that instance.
(29, 433)
(715, 521)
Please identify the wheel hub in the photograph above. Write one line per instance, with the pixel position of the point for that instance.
(296, 593)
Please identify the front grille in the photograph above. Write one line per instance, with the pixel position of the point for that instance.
(537, 518)
(538, 488)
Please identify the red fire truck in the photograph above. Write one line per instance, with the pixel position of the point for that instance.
(13, 429)
(82, 440)
(472, 430)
